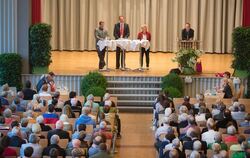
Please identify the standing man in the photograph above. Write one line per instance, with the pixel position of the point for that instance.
(187, 32)
(121, 30)
(101, 34)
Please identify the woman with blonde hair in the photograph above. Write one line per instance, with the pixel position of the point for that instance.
(68, 111)
(66, 125)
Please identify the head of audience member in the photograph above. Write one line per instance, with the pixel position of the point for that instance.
(187, 26)
(176, 143)
(97, 140)
(56, 95)
(54, 139)
(36, 128)
(20, 95)
(29, 114)
(72, 94)
(191, 120)
(197, 145)
(2, 120)
(183, 109)
(24, 122)
(40, 119)
(67, 110)
(121, 19)
(12, 107)
(231, 130)
(16, 131)
(4, 94)
(245, 146)
(173, 154)
(51, 108)
(106, 96)
(81, 127)
(7, 113)
(210, 124)
(241, 139)
(103, 125)
(5, 141)
(90, 97)
(86, 110)
(195, 154)
(64, 118)
(193, 134)
(28, 151)
(200, 98)
(5, 87)
(76, 143)
(202, 109)
(16, 101)
(14, 123)
(28, 84)
(186, 99)
(34, 139)
(227, 74)
(53, 153)
(45, 88)
(242, 108)
(224, 154)
(81, 136)
(59, 124)
(216, 148)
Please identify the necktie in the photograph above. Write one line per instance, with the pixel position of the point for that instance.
(121, 29)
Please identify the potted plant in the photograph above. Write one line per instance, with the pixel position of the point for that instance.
(187, 59)
(39, 42)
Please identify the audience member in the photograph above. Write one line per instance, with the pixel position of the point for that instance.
(103, 153)
(66, 125)
(44, 92)
(208, 136)
(95, 148)
(7, 151)
(33, 142)
(44, 127)
(36, 129)
(28, 152)
(54, 140)
(16, 140)
(231, 131)
(85, 118)
(59, 132)
(27, 91)
(50, 117)
(68, 111)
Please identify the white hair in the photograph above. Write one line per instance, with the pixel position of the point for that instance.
(59, 124)
(197, 145)
(40, 119)
(76, 143)
(64, 118)
(195, 154)
(231, 130)
(36, 128)
(54, 139)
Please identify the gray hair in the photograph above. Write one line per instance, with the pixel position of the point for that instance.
(40, 119)
(197, 145)
(195, 154)
(33, 138)
(7, 113)
(54, 139)
(59, 124)
(85, 110)
(231, 130)
(36, 128)
(64, 118)
(216, 148)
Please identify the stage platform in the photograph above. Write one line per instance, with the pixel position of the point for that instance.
(80, 63)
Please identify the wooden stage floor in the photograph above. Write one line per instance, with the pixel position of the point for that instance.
(79, 63)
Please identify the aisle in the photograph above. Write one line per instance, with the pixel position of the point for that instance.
(137, 137)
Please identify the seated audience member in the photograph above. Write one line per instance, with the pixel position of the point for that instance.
(8, 116)
(173, 154)
(54, 140)
(25, 130)
(18, 106)
(191, 124)
(197, 146)
(36, 129)
(3, 126)
(27, 91)
(23, 102)
(28, 152)
(200, 99)
(237, 147)
(163, 129)
(94, 149)
(50, 117)
(106, 97)
(73, 102)
(33, 142)
(216, 150)
(175, 145)
(103, 153)
(246, 123)
(188, 145)
(187, 103)
(4, 99)
(201, 116)
(40, 121)
(208, 136)
(195, 154)
(56, 98)
(104, 130)
(53, 153)
(183, 116)
(80, 136)
(68, 111)
(59, 131)
(226, 89)
(85, 118)
(12, 125)
(215, 110)
(79, 128)
(7, 151)
(44, 92)
(243, 153)
(76, 144)
(172, 116)
(36, 104)
(231, 131)
(226, 121)
(16, 140)
(218, 139)
(66, 125)
(90, 103)
(220, 116)
(240, 113)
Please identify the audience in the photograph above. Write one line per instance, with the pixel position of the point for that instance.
(54, 140)
(59, 132)
(95, 148)
(33, 142)
(44, 92)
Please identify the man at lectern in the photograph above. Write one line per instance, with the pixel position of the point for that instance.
(101, 34)
(121, 30)
(187, 32)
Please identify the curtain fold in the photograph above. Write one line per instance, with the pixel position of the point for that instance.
(73, 21)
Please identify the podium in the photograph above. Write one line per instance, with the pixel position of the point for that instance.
(184, 44)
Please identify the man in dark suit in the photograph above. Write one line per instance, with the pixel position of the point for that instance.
(121, 30)
(54, 146)
(58, 131)
(187, 33)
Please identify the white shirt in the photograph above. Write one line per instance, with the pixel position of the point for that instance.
(208, 136)
(161, 130)
(144, 36)
(44, 94)
(200, 117)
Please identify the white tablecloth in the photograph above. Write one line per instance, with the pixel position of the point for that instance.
(123, 44)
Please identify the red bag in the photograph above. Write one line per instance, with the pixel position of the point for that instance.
(199, 67)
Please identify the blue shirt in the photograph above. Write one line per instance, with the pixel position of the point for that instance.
(84, 119)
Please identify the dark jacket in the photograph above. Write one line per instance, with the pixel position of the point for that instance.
(187, 35)
(189, 145)
(228, 92)
(181, 154)
(28, 93)
(61, 152)
(45, 127)
(61, 133)
(16, 141)
(225, 122)
(126, 32)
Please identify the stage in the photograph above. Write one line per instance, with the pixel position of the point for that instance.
(80, 63)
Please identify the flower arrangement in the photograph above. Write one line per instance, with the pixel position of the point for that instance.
(187, 58)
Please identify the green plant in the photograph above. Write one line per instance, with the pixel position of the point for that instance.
(96, 91)
(187, 58)
(241, 53)
(10, 69)
(93, 79)
(39, 41)
(172, 80)
(173, 92)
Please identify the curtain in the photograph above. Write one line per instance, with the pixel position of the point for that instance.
(246, 13)
(8, 26)
(73, 21)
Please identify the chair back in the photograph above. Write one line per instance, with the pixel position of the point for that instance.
(63, 143)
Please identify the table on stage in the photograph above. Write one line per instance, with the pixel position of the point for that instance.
(125, 45)
(184, 44)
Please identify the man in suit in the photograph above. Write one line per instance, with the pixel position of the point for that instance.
(187, 33)
(58, 131)
(54, 146)
(121, 30)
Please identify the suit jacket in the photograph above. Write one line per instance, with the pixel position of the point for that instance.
(61, 133)
(189, 145)
(126, 32)
(140, 36)
(61, 151)
(187, 35)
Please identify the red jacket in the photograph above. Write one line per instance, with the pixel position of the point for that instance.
(140, 35)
